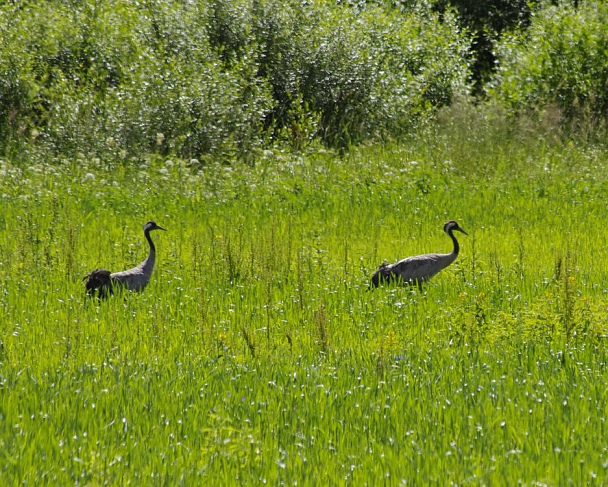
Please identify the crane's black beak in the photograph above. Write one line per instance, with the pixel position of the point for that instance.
(461, 230)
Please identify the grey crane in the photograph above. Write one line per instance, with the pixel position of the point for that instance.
(102, 282)
(419, 269)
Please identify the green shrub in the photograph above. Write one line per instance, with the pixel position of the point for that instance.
(220, 78)
(559, 62)
(487, 20)
(366, 72)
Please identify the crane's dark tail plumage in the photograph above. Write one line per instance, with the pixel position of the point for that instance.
(99, 284)
(381, 276)
(385, 274)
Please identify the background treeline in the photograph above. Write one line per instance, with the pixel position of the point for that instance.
(225, 78)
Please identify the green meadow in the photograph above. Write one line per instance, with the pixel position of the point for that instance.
(257, 355)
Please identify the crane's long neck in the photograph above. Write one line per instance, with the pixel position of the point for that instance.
(148, 264)
(456, 245)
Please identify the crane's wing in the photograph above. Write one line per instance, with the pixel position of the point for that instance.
(412, 270)
(418, 268)
(135, 279)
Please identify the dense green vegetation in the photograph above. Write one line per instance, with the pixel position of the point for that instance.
(199, 78)
(289, 148)
(227, 78)
(258, 354)
(558, 65)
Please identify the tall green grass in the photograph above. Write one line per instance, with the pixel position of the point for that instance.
(258, 355)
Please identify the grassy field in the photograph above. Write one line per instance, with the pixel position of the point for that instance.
(257, 355)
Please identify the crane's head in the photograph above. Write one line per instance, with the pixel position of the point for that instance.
(451, 226)
(149, 226)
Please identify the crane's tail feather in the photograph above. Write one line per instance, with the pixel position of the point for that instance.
(99, 283)
(388, 274)
(382, 275)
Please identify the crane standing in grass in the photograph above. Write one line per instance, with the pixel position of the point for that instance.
(419, 269)
(102, 282)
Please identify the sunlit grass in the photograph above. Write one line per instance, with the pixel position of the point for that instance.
(257, 352)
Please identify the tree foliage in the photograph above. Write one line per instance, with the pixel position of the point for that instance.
(224, 78)
(221, 77)
(487, 20)
(560, 61)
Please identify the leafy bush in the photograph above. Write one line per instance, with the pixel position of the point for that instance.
(559, 62)
(366, 72)
(112, 78)
(487, 20)
(219, 78)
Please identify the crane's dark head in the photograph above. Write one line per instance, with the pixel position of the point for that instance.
(451, 226)
(149, 226)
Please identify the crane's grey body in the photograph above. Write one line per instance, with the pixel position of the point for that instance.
(102, 282)
(419, 269)
(137, 279)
